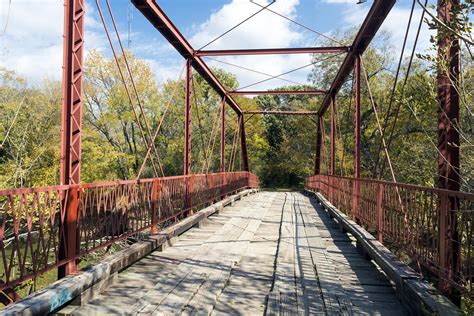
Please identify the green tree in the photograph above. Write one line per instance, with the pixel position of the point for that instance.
(29, 132)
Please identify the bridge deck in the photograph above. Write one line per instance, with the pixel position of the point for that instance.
(269, 253)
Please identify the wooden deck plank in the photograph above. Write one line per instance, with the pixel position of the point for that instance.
(335, 299)
(273, 253)
(313, 302)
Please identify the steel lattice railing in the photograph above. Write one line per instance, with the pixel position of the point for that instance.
(429, 227)
(31, 220)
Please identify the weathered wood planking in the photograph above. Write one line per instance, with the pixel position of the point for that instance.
(273, 253)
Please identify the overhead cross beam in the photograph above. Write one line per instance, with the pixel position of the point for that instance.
(267, 112)
(374, 19)
(276, 92)
(273, 51)
(163, 24)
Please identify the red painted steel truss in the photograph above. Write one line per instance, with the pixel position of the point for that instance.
(76, 219)
(409, 219)
(106, 213)
(268, 112)
(377, 14)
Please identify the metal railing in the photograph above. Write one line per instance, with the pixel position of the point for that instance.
(35, 227)
(428, 228)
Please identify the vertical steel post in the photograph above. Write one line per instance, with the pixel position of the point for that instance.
(319, 138)
(70, 163)
(243, 144)
(155, 206)
(355, 186)
(448, 145)
(332, 159)
(187, 133)
(71, 118)
(380, 212)
(222, 166)
(190, 194)
(357, 117)
(187, 119)
(333, 135)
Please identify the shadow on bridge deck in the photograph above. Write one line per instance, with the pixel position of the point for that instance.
(273, 252)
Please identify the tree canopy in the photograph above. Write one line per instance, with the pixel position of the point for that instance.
(281, 148)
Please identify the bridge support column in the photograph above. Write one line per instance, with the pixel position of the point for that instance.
(333, 147)
(71, 119)
(243, 144)
(319, 139)
(448, 145)
(333, 135)
(355, 186)
(187, 133)
(222, 164)
(155, 206)
(187, 119)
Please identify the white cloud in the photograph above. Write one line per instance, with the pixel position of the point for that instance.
(265, 30)
(33, 42)
(166, 70)
(396, 24)
(340, 1)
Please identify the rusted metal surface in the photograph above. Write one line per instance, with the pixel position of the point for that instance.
(243, 144)
(357, 117)
(71, 120)
(273, 51)
(163, 24)
(187, 119)
(333, 136)
(107, 212)
(269, 112)
(374, 19)
(417, 229)
(8, 296)
(72, 92)
(449, 142)
(319, 140)
(356, 134)
(222, 152)
(277, 92)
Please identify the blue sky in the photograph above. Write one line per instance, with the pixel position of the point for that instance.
(32, 43)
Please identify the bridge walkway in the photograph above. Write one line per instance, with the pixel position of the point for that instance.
(270, 253)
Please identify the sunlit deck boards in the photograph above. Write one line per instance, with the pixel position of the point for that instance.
(273, 253)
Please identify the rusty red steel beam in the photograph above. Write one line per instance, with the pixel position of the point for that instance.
(243, 144)
(275, 92)
(187, 120)
(449, 177)
(377, 201)
(357, 134)
(222, 147)
(8, 295)
(157, 17)
(101, 228)
(319, 140)
(333, 136)
(273, 51)
(270, 112)
(71, 121)
(374, 19)
(356, 187)
(70, 163)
